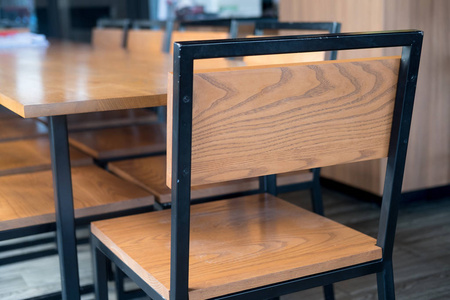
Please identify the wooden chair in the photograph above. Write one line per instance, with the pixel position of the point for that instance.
(277, 119)
(150, 174)
(31, 155)
(110, 34)
(121, 142)
(146, 41)
(107, 119)
(27, 206)
(18, 128)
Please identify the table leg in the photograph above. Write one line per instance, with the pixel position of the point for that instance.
(65, 223)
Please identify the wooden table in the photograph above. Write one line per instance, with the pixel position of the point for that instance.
(69, 78)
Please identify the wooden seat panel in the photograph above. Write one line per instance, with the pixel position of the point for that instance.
(18, 128)
(108, 119)
(28, 199)
(108, 143)
(32, 155)
(7, 114)
(150, 174)
(236, 245)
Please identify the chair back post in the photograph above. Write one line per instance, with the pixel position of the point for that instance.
(122, 23)
(268, 184)
(184, 55)
(181, 180)
(401, 122)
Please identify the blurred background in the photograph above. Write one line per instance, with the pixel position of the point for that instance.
(74, 19)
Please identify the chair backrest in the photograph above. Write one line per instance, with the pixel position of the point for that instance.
(297, 116)
(145, 41)
(110, 34)
(260, 121)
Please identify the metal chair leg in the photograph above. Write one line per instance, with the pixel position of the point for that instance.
(385, 280)
(317, 203)
(100, 274)
(328, 292)
(119, 282)
(316, 192)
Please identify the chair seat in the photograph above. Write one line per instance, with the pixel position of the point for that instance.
(110, 143)
(7, 114)
(31, 155)
(150, 174)
(105, 119)
(27, 199)
(18, 128)
(237, 244)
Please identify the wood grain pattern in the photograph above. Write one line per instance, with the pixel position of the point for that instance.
(149, 173)
(18, 128)
(260, 121)
(429, 145)
(32, 155)
(237, 244)
(107, 38)
(70, 78)
(27, 199)
(107, 143)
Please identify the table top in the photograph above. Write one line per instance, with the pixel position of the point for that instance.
(70, 78)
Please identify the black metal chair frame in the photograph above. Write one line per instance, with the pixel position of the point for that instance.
(184, 55)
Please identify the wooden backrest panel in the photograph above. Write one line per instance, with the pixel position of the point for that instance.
(269, 120)
(107, 38)
(144, 41)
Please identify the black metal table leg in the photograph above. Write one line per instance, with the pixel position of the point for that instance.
(65, 224)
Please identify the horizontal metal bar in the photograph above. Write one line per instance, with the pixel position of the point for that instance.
(95, 242)
(24, 244)
(23, 257)
(293, 44)
(288, 287)
(86, 289)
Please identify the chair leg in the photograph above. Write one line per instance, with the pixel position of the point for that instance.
(316, 193)
(385, 281)
(328, 292)
(100, 274)
(119, 282)
(317, 203)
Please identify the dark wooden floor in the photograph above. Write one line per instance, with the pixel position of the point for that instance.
(421, 255)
